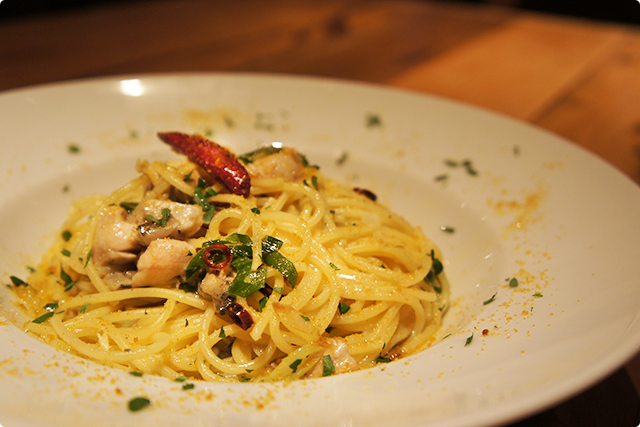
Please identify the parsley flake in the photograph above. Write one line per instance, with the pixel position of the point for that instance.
(327, 366)
(294, 365)
(44, 317)
(468, 341)
(17, 282)
(490, 300)
(382, 359)
(138, 403)
(343, 308)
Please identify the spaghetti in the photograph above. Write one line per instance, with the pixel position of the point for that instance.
(174, 274)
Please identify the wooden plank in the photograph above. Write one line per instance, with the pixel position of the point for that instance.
(518, 69)
(602, 113)
(356, 39)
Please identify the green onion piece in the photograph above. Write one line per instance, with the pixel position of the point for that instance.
(246, 281)
(222, 333)
(255, 211)
(284, 266)
(188, 386)
(513, 283)
(66, 235)
(180, 379)
(263, 303)
(135, 373)
(271, 244)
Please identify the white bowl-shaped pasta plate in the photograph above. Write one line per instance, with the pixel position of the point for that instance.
(501, 199)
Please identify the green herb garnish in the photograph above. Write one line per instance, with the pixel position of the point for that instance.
(44, 317)
(17, 282)
(327, 366)
(166, 213)
(468, 341)
(490, 300)
(294, 365)
(343, 308)
(138, 403)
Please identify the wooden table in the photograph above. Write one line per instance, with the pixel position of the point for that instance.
(579, 79)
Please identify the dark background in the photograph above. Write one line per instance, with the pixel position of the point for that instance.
(625, 11)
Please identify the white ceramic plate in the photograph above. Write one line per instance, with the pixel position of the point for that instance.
(559, 220)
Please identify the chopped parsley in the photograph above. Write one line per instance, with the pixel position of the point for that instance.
(128, 206)
(166, 214)
(343, 158)
(327, 366)
(466, 164)
(180, 379)
(490, 300)
(469, 339)
(537, 295)
(135, 373)
(247, 281)
(343, 308)
(17, 282)
(44, 317)
(294, 365)
(138, 403)
(51, 306)
(68, 282)
(335, 267)
(382, 359)
(436, 269)
(73, 148)
(255, 211)
(66, 235)
(513, 283)
(263, 303)
(373, 120)
(188, 386)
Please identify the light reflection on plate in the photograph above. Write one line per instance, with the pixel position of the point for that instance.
(540, 210)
